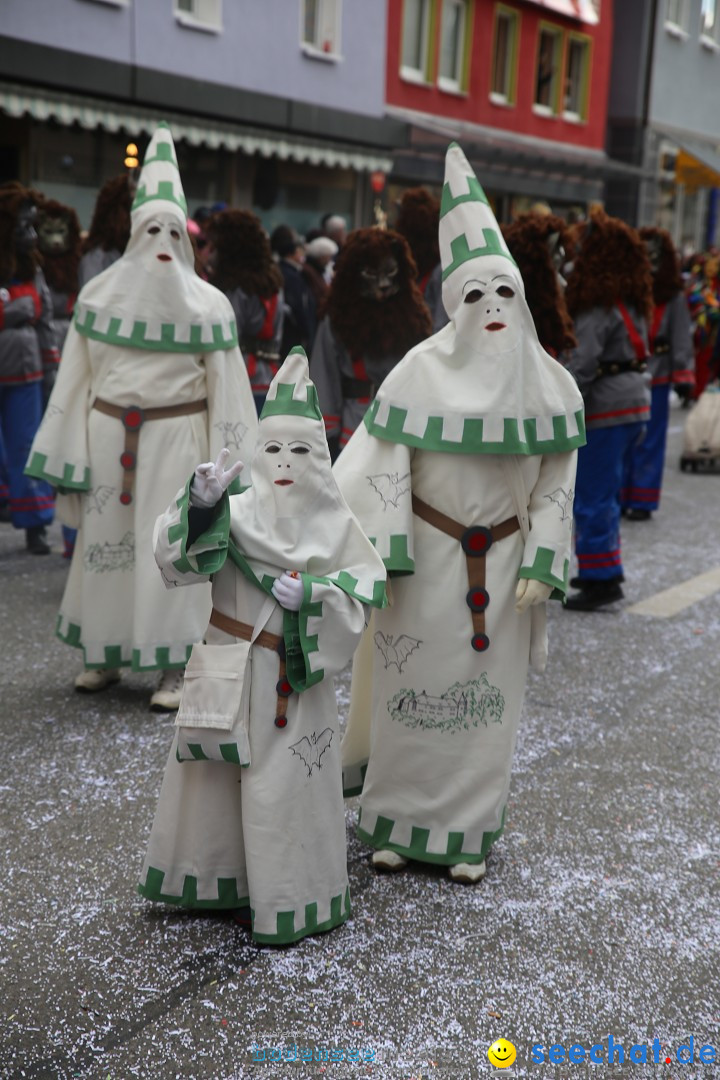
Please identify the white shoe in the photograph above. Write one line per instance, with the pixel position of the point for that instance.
(391, 861)
(468, 873)
(167, 696)
(92, 679)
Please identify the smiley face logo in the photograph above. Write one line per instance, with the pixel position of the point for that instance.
(502, 1054)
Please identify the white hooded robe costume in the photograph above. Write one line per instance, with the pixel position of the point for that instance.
(148, 334)
(479, 424)
(265, 827)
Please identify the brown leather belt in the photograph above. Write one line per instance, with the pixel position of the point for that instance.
(267, 641)
(476, 541)
(133, 417)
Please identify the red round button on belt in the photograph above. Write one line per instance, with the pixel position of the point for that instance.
(281, 721)
(284, 688)
(477, 599)
(480, 642)
(133, 418)
(125, 498)
(127, 460)
(476, 540)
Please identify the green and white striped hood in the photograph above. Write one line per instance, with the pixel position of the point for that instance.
(483, 384)
(151, 298)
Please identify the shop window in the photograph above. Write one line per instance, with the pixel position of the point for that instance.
(321, 28)
(505, 51)
(547, 78)
(199, 14)
(676, 18)
(454, 41)
(577, 78)
(418, 20)
(709, 20)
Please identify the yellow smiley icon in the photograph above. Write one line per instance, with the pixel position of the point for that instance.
(502, 1054)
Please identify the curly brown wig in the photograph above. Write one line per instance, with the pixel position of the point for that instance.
(110, 225)
(243, 255)
(667, 283)
(611, 265)
(60, 267)
(417, 220)
(12, 197)
(527, 239)
(370, 327)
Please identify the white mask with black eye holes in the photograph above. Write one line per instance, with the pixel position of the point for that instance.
(489, 315)
(286, 467)
(159, 244)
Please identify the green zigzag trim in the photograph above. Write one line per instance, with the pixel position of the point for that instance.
(417, 848)
(474, 193)
(228, 897)
(462, 252)
(163, 152)
(72, 635)
(286, 932)
(284, 404)
(472, 441)
(37, 467)
(541, 570)
(167, 343)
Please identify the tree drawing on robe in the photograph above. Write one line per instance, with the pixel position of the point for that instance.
(463, 706)
(101, 558)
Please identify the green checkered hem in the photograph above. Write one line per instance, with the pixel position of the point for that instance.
(353, 777)
(228, 896)
(541, 570)
(518, 437)
(288, 920)
(118, 656)
(60, 476)
(188, 338)
(417, 848)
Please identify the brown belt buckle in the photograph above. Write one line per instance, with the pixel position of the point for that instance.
(133, 418)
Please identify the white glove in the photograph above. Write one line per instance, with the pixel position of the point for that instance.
(289, 590)
(529, 592)
(211, 480)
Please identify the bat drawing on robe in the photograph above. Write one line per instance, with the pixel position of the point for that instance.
(97, 498)
(396, 652)
(232, 434)
(390, 486)
(564, 500)
(310, 749)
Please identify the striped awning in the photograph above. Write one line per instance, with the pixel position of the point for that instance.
(67, 109)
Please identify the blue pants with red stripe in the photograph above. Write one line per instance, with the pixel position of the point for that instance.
(601, 466)
(643, 475)
(32, 502)
(4, 489)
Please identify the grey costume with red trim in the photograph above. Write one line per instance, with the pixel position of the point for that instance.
(603, 339)
(346, 385)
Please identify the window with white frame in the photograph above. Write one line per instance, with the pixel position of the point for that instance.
(547, 75)
(505, 49)
(453, 45)
(199, 14)
(415, 64)
(709, 20)
(676, 16)
(321, 27)
(577, 77)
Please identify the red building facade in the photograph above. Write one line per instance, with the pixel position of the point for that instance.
(521, 84)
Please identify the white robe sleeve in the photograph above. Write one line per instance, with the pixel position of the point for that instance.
(548, 545)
